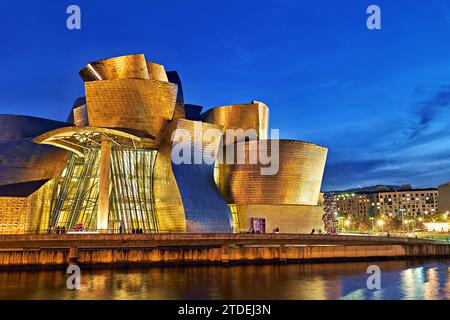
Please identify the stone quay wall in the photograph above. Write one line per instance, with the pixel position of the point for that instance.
(58, 251)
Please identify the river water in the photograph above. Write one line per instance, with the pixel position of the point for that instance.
(399, 280)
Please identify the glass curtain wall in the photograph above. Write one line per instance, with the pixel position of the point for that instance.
(75, 195)
(132, 192)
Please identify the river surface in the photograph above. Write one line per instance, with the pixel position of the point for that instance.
(399, 280)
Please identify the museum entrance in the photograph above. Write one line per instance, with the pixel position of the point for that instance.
(127, 197)
(258, 225)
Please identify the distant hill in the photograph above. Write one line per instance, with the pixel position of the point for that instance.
(374, 189)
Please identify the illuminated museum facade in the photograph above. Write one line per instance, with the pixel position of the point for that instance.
(110, 166)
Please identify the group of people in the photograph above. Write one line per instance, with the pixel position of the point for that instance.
(57, 230)
(252, 230)
(137, 231)
(133, 231)
(313, 231)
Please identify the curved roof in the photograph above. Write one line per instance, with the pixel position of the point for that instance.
(253, 115)
(156, 71)
(21, 160)
(297, 181)
(133, 66)
(130, 92)
(76, 139)
(123, 67)
(13, 127)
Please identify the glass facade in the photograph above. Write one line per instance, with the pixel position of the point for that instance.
(75, 195)
(132, 190)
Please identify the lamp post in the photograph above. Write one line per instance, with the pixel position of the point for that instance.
(372, 220)
(381, 224)
(405, 224)
(402, 211)
(347, 223)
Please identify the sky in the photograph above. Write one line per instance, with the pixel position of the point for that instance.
(378, 99)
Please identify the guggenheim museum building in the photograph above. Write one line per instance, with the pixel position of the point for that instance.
(110, 166)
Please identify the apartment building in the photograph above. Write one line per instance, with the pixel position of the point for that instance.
(410, 202)
(357, 204)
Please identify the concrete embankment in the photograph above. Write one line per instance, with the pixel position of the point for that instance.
(57, 251)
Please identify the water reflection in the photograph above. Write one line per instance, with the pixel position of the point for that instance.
(400, 280)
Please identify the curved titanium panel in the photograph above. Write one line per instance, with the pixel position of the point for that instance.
(179, 113)
(254, 115)
(298, 180)
(78, 115)
(205, 209)
(123, 67)
(21, 160)
(144, 105)
(168, 205)
(14, 127)
(156, 71)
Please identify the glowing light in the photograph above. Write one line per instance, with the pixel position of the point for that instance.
(97, 75)
(437, 226)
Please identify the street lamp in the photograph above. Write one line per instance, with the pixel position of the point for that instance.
(413, 221)
(347, 223)
(380, 223)
(405, 224)
(372, 219)
(402, 211)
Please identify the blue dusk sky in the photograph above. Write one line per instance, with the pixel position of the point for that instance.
(378, 99)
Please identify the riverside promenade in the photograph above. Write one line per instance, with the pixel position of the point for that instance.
(124, 250)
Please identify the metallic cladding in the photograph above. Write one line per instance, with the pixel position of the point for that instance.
(39, 208)
(287, 218)
(156, 72)
(21, 160)
(168, 205)
(14, 127)
(298, 181)
(81, 116)
(205, 209)
(123, 67)
(145, 105)
(254, 116)
(179, 113)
